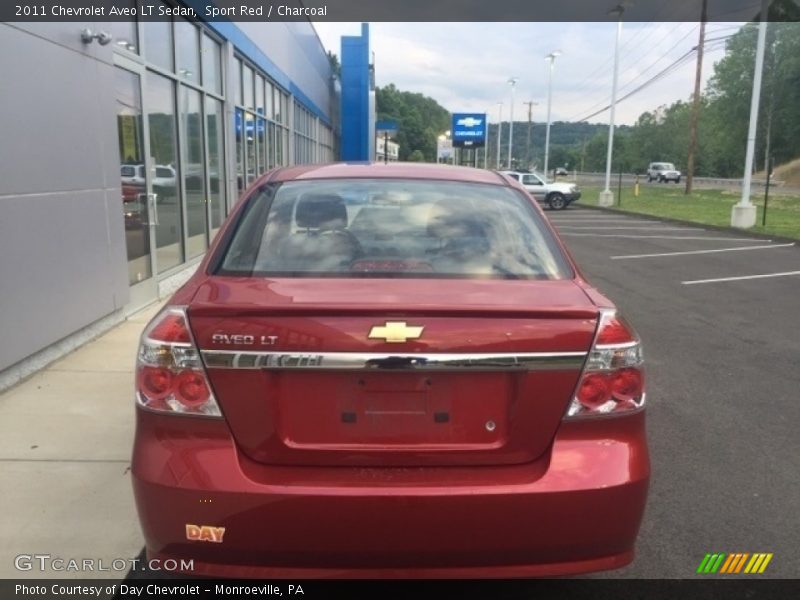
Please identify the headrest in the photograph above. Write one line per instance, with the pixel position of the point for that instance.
(321, 211)
(451, 219)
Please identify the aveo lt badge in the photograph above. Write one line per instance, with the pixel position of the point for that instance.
(395, 332)
(204, 533)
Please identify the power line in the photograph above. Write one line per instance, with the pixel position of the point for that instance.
(640, 75)
(675, 65)
(605, 66)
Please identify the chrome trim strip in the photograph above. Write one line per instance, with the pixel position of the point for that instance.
(531, 361)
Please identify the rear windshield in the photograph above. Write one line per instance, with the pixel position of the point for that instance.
(392, 228)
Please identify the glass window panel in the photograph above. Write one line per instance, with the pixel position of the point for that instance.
(248, 88)
(216, 163)
(132, 175)
(212, 70)
(262, 146)
(125, 33)
(259, 95)
(271, 145)
(240, 179)
(194, 176)
(158, 43)
(239, 82)
(160, 94)
(269, 111)
(250, 147)
(188, 46)
(277, 101)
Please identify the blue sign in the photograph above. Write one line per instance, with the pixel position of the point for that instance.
(469, 130)
(386, 127)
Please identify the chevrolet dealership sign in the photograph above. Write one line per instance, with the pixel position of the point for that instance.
(469, 130)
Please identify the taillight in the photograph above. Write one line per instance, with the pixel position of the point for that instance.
(170, 377)
(613, 380)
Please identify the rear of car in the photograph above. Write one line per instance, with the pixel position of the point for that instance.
(389, 371)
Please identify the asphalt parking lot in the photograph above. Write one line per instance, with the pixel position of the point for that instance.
(718, 316)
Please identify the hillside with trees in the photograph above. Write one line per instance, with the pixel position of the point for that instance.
(658, 135)
(663, 134)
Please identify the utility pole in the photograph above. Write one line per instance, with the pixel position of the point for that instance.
(696, 104)
(530, 104)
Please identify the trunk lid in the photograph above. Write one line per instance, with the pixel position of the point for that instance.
(314, 372)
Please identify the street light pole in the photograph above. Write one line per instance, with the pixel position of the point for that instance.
(607, 196)
(552, 58)
(512, 82)
(743, 214)
(499, 134)
(486, 141)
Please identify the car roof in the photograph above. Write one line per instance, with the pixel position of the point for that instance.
(393, 170)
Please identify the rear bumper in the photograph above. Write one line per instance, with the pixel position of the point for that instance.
(576, 510)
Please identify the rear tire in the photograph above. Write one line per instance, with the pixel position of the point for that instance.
(557, 202)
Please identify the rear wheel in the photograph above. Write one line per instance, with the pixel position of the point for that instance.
(557, 201)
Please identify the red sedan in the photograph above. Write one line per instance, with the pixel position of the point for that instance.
(389, 371)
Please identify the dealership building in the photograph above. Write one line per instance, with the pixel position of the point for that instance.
(126, 144)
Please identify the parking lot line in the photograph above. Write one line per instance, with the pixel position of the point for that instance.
(629, 256)
(741, 278)
(650, 228)
(662, 237)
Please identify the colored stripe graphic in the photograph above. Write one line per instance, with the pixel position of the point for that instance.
(734, 563)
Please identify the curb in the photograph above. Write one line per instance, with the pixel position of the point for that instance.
(740, 232)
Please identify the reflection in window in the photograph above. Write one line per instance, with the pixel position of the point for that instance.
(247, 88)
(160, 93)
(261, 129)
(250, 139)
(188, 48)
(132, 175)
(216, 175)
(239, 126)
(238, 68)
(212, 72)
(194, 177)
(259, 95)
(124, 32)
(158, 43)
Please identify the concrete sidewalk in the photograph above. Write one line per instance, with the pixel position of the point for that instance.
(65, 447)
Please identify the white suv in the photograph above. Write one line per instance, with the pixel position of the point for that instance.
(663, 172)
(553, 195)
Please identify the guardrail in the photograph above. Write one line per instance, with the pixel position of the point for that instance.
(630, 178)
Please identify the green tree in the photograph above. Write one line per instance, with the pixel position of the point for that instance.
(420, 120)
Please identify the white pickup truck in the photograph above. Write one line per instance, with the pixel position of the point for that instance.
(553, 195)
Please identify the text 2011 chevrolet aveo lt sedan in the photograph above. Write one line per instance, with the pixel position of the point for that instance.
(389, 370)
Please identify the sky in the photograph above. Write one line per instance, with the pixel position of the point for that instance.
(466, 66)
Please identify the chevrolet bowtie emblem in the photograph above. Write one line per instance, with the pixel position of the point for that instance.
(395, 332)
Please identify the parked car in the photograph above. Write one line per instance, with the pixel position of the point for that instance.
(663, 172)
(561, 172)
(555, 195)
(163, 175)
(385, 371)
